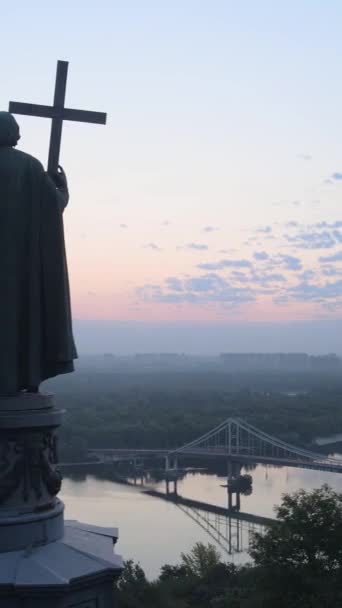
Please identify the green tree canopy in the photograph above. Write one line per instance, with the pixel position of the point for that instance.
(308, 533)
(301, 555)
(201, 560)
(297, 564)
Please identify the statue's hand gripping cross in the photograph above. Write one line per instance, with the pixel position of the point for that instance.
(57, 113)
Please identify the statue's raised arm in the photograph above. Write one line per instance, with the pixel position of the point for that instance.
(61, 183)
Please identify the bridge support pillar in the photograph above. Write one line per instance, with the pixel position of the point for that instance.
(233, 474)
(138, 463)
(171, 464)
(233, 469)
(231, 505)
(175, 486)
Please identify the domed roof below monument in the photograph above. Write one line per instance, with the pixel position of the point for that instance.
(83, 551)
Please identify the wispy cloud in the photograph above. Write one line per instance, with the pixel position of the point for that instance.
(208, 282)
(174, 284)
(264, 230)
(210, 229)
(304, 156)
(264, 279)
(316, 293)
(337, 224)
(209, 288)
(221, 264)
(240, 277)
(314, 240)
(336, 257)
(307, 275)
(152, 246)
(332, 271)
(267, 271)
(197, 246)
(338, 235)
(291, 262)
(260, 255)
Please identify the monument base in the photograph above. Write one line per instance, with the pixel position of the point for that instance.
(76, 571)
(44, 561)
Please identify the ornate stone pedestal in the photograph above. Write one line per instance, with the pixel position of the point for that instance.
(44, 562)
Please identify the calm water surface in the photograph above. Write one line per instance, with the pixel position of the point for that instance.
(154, 532)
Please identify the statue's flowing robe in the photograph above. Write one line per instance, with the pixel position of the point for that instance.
(36, 340)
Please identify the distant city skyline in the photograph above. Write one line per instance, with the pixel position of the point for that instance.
(214, 193)
(128, 337)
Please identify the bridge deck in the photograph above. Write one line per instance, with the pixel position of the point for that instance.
(128, 454)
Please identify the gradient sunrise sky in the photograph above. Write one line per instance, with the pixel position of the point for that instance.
(214, 193)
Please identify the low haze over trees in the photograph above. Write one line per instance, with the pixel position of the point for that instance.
(165, 410)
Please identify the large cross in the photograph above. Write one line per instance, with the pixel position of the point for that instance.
(57, 113)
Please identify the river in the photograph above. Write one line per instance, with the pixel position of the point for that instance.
(154, 532)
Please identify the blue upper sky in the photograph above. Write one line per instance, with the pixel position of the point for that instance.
(214, 192)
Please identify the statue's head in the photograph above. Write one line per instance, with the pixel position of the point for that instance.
(9, 130)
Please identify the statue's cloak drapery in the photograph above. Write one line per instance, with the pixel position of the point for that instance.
(36, 340)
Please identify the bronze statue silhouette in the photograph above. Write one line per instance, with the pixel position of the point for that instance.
(36, 340)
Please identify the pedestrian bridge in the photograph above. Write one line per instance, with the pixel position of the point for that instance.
(236, 440)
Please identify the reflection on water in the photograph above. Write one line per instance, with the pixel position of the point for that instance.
(232, 535)
(155, 531)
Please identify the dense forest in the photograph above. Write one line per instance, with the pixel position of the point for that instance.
(159, 410)
(297, 564)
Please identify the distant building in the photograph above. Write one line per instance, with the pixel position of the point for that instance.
(160, 360)
(160, 357)
(326, 363)
(279, 362)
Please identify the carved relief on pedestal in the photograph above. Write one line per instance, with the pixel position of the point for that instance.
(28, 465)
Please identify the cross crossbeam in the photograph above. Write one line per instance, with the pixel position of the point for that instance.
(57, 113)
(32, 109)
